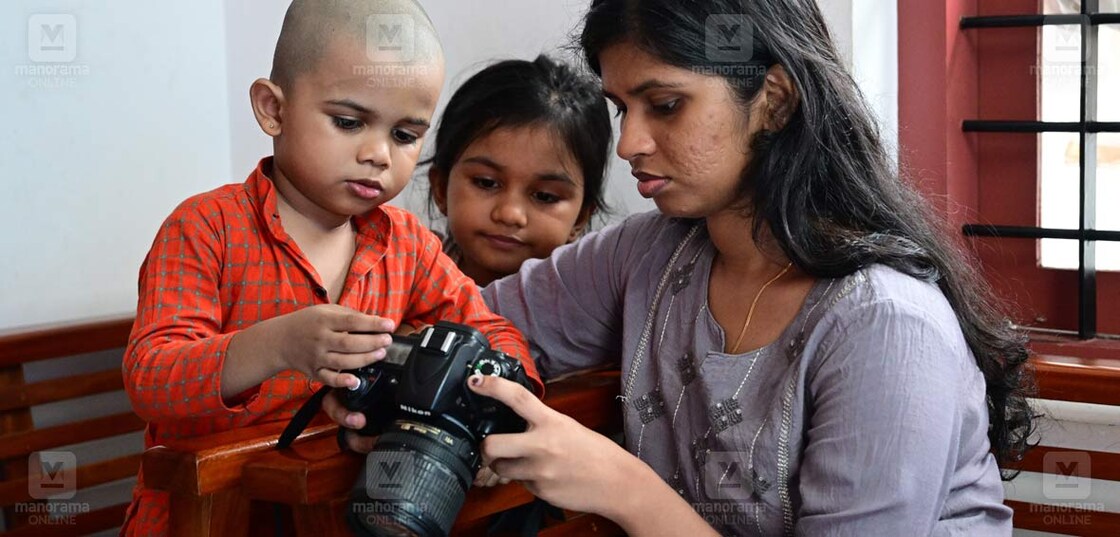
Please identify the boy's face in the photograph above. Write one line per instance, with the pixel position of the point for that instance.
(350, 131)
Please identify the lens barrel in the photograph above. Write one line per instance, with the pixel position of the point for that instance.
(416, 480)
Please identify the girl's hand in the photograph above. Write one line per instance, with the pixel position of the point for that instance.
(557, 459)
(321, 341)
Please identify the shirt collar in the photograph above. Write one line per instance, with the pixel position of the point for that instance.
(374, 228)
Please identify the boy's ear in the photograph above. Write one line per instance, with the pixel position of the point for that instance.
(437, 181)
(268, 102)
(781, 98)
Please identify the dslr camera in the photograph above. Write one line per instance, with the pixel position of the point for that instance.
(429, 427)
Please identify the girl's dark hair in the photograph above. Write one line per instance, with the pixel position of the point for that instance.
(519, 93)
(824, 185)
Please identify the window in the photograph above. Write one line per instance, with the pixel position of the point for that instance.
(984, 155)
(1059, 74)
(1065, 39)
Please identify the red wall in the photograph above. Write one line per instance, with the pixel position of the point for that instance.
(947, 75)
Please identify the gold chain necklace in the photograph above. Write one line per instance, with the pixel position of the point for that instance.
(750, 312)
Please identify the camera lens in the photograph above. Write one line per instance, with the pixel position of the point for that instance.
(416, 480)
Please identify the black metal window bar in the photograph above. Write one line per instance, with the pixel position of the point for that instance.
(1086, 234)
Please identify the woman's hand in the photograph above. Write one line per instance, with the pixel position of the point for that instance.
(572, 467)
(557, 459)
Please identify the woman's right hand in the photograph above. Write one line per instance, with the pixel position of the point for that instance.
(556, 458)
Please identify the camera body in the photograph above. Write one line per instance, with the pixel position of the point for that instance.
(424, 377)
(430, 425)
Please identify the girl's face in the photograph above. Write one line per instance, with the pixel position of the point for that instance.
(683, 133)
(514, 194)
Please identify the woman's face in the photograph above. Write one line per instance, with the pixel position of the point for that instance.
(683, 133)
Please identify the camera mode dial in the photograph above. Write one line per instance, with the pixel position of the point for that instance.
(487, 366)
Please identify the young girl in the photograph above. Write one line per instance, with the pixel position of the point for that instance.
(518, 167)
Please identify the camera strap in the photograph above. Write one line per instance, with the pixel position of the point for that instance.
(303, 417)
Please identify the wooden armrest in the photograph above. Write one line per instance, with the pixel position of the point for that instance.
(202, 477)
(1081, 380)
(205, 465)
(316, 473)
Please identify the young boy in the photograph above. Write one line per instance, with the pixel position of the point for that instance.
(251, 293)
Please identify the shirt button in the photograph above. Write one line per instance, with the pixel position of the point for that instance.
(320, 292)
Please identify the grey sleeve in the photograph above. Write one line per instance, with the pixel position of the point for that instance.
(569, 305)
(885, 424)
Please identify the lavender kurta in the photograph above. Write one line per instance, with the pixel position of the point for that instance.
(866, 417)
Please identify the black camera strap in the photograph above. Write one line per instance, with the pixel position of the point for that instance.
(303, 417)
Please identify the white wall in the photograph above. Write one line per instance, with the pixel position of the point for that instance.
(159, 110)
(91, 168)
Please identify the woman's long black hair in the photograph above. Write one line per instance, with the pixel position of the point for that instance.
(824, 185)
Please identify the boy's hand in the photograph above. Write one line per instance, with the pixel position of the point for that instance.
(323, 340)
(350, 420)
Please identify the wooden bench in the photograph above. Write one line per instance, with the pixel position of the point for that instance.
(20, 438)
(215, 478)
(315, 478)
(215, 481)
(1082, 380)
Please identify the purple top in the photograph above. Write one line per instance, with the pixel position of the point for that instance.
(866, 417)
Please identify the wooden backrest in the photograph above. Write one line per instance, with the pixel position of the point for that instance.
(23, 480)
(1078, 380)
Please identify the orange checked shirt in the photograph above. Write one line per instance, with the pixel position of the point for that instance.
(222, 262)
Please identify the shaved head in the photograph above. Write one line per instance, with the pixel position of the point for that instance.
(399, 30)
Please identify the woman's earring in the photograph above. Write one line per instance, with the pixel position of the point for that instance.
(272, 125)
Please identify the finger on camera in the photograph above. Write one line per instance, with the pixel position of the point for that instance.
(506, 446)
(339, 413)
(342, 361)
(358, 343)
(518, 398)
(513, 469)
(335, 379)
(359, 443)
(486, 477)
(355, 321)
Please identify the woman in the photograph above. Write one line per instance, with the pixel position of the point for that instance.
(802, 350)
